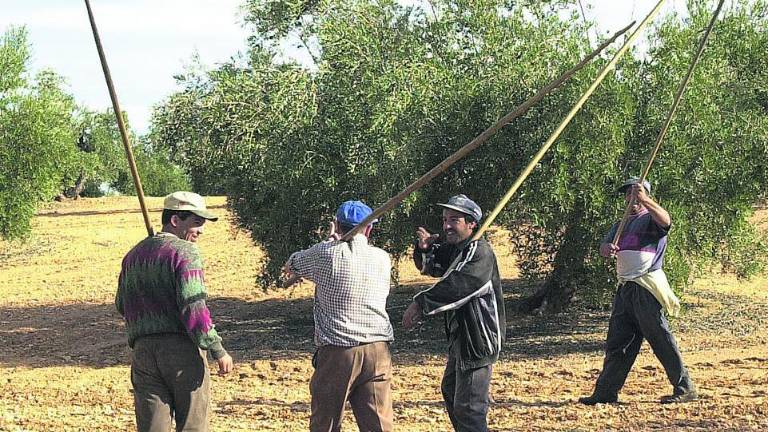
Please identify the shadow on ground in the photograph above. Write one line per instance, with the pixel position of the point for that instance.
(273, 329)
(93, 335)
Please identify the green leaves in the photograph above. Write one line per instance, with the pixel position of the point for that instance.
(36, 136)
(14, 54)
(394, 90)
(48, 143)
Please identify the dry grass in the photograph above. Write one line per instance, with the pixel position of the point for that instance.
(65, 361)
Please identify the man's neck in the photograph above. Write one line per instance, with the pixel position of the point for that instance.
(168, 230)
(460, 244)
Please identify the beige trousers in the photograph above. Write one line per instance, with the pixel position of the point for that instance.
(361, 375)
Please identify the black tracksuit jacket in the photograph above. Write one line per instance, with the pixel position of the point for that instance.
(469, 296)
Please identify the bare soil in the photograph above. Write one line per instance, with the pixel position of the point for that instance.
(65, 362)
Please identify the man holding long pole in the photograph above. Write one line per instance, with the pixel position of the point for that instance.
(161, 294)
(642, 298)
(469, 297)
(352, 328)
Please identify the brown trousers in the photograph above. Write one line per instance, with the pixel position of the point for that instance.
(170, 379)
(360, 374)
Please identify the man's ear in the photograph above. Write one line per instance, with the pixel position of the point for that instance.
(368, 230)
(175, 220)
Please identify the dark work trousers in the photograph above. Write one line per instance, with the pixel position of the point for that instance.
(170, 379)
(465, 393)
(637, 315)
(361, 375)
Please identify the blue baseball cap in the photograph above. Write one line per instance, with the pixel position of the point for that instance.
(353, 212)
(462, 204)
(633, 181)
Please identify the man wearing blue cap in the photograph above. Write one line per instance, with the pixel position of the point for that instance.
(469, 297)
(642, 298)
(352, 328)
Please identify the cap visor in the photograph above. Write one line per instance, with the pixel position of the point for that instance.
(205, 215)
(623, 188)
(458, 209)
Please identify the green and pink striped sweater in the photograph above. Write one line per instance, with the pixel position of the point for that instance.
(161, 289)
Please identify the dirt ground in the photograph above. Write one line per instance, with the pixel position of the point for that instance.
(65, 362)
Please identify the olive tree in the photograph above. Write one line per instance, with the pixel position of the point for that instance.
(37, 135)
(391, 90)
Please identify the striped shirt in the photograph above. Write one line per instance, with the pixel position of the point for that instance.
(352, 282)
(161, 289)
(641, 246)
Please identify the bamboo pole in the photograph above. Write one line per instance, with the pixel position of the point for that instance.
(675, 103)
(475, 143)
(120, 122)
(529, 168)
(480, 139)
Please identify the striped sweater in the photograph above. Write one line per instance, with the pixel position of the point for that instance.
(161, 289)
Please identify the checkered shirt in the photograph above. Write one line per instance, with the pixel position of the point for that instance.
(352, 281)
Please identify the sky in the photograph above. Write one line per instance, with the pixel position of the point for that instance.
(147, 42)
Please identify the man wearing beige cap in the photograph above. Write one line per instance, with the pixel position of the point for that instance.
(161, 295)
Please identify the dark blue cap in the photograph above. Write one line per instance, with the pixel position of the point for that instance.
(633, 181)
(462, 204)
(353, 212)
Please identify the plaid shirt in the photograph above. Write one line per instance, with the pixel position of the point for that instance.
(352, 281)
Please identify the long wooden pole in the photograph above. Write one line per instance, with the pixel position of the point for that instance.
(120, 122)
(475, 143)
(528, 169)
(480, 139)
(675, 103)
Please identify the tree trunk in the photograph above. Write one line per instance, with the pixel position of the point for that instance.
(75, 191)
(558, 290)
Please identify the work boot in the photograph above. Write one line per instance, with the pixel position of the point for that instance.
(595, 399)
(680, 398)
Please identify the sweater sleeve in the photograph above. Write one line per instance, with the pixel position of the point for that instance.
(119, 294)
(658, 230)
(471, 277)
(190, 295)
(433, 261)
(121, 287)
(608, 237)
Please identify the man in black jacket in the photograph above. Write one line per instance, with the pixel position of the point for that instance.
(470, 298)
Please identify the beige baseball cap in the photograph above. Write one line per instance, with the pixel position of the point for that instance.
(190, 202)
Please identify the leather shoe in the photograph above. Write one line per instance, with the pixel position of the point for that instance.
(679, 398)
(594, 400)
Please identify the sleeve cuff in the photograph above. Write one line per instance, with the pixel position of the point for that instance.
(419, 300)
(217, 351)
(416, 247)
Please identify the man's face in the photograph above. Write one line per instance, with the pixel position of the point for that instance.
(636, 206)
(455, 226)
(188, 229)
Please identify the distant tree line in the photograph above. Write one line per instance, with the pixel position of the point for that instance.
(50, 147)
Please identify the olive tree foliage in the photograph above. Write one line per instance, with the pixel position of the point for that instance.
(51, 146)
(715, 166)
(102, 161)
(159, 176)
(709, 173)
(101, 156)
(36, 135)
(395, 89)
